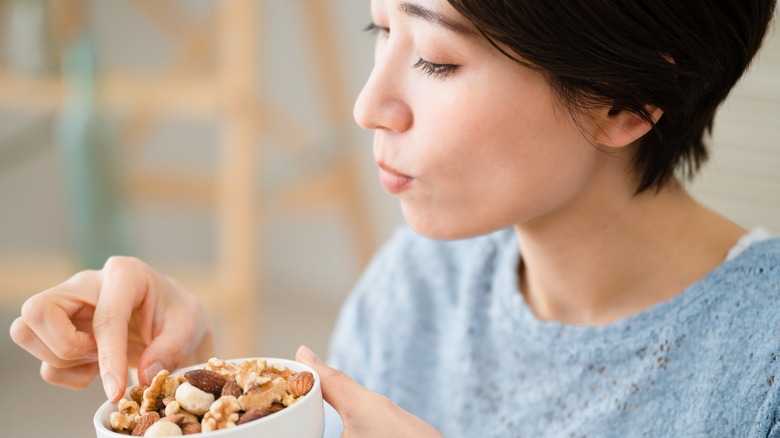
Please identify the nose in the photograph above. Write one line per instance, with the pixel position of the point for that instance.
(382, 103)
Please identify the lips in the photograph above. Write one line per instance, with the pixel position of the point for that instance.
(392, 180)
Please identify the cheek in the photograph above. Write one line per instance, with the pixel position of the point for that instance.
(492, 156)
(487, 139)
(501, 173)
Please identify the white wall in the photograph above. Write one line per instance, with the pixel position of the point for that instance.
(743, 178)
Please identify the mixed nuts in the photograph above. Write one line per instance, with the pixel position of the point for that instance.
(219, 396)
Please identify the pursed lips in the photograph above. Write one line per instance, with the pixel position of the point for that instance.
(392, 180)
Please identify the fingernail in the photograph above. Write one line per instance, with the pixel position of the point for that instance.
(152, 371)
(110, 386)
(307, 355)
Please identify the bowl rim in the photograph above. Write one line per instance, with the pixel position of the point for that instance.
(97, 419)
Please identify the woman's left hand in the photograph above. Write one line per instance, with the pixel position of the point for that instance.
(365, 413)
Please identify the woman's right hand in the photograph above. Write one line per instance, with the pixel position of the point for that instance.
(103, 322)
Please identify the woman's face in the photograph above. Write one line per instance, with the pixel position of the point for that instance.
(469, 140)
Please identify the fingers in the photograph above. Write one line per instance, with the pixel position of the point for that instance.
(125, 286)
(181, 330)
(338, 389)
(364, 413)
(50, 320)
(75, 377)
(96, 319)
(23, 335)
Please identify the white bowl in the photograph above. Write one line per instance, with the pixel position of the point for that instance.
(304, 419)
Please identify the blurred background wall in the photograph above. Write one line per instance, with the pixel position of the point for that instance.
(214, 140)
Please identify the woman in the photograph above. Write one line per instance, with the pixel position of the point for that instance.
(567, 285)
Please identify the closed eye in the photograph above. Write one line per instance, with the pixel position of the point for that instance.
(435, 70)
(375, 29)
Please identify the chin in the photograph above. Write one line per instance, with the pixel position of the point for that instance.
(441, 227)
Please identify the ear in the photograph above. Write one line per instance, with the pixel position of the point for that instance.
(618, 127)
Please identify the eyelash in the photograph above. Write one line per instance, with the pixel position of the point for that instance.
(439, 71)
(375, 29)
(430, 69)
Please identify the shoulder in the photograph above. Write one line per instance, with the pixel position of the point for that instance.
(747, 287)
(742, 304)
(756, 268)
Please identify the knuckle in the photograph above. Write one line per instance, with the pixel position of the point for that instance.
(82, 276)
(104, 317)
(174, 352)
(65, 353)
(337, 375)
(120, 263)
(19, 331)
(50, 374)
(34, 308)
(47, 374)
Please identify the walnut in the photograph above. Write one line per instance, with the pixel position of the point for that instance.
(222, 414)
(250, 371)
(193, 400)
(169, 386)
(127, 407)
(281, 371)
(153, 395)
(288, 400)
(226, 369)
(122, 423)
(137, 393)
(124, 420)
(264, 395)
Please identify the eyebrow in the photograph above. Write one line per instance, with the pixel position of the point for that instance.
(434, 17)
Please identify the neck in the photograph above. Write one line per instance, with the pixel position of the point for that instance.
(619, 258)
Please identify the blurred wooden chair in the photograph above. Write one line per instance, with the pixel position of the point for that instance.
(214, 75)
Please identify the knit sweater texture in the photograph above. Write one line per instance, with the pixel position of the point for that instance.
(441, 328)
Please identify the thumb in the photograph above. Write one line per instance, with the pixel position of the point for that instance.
(341, 392)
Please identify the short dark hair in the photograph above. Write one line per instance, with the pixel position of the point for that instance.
(682, 56)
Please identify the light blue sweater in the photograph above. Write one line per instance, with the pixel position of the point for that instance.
(442, 330)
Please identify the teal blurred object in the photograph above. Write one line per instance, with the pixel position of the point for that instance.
(90, 157)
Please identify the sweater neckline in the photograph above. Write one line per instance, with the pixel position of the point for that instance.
(680, 307)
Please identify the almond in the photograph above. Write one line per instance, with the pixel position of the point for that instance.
(206, 380)
(168, 400)
(178, 419)
(232, 388)
(254, 414)
(144, 423)
(300, 384)
(190, 428)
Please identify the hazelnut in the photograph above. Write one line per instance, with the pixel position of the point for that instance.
(163, 428)
(192, 399)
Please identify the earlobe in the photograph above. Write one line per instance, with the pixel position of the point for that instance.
(618, 127)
